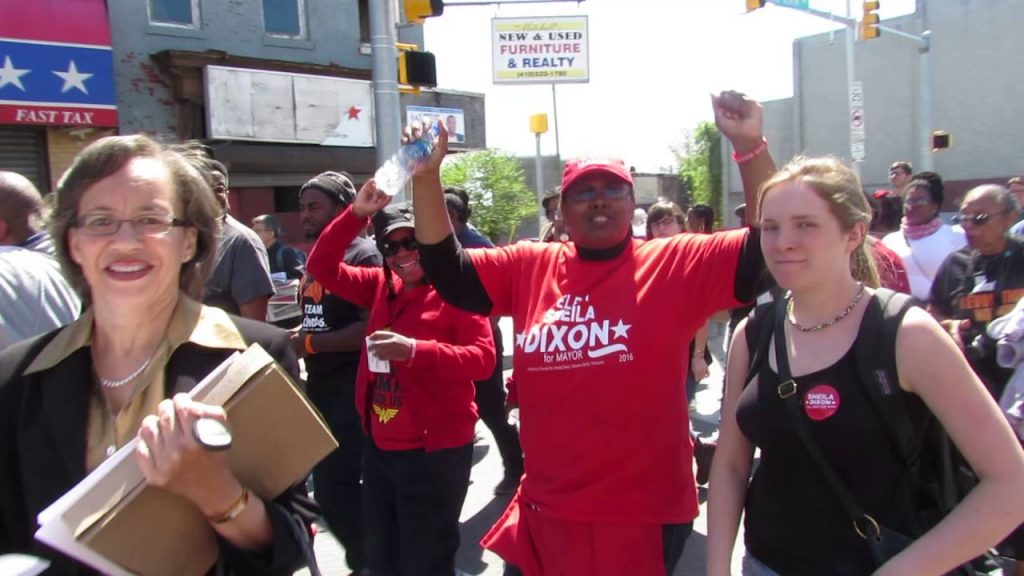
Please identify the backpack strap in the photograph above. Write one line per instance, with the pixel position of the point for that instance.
(875, 354)
(758, 333)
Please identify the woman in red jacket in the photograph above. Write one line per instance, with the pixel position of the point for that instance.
(414, 390)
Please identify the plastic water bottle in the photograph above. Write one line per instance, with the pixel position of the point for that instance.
(392, 176)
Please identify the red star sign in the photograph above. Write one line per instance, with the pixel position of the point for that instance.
(353, 113)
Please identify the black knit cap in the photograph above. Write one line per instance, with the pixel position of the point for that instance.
(336, 186)
(392, 217)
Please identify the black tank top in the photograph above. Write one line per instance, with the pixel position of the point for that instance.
(794, 523)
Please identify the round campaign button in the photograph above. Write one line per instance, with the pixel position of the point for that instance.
(821, 402)
(211, 434)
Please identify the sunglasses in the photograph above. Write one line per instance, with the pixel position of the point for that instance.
(392, 247)
(916, 202)
(588, 194)
(975, 219)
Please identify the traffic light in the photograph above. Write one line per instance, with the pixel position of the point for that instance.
(941, 140)
(417, 68)
(869, 23)
(754, 5)
(416, 11)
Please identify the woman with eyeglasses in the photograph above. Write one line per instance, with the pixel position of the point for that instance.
(978, 284)
(414, 390)
(923, 240)
(135, 229)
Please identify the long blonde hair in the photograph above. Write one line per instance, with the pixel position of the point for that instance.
(840, 188)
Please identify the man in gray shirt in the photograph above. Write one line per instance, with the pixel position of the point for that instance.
(22, 212)
(34, 296)
(240, 283)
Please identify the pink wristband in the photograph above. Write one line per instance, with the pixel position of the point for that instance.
(412, 355)
(743, 158)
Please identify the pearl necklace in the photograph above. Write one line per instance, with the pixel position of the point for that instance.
(826, 324)
(118, 383)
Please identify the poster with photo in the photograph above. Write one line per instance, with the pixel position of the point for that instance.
(454, 120)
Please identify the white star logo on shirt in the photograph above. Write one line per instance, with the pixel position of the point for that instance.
(11, 75)
(621, 330)
(73, 78)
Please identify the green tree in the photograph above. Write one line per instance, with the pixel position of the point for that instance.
(699, 165)
(497, 190)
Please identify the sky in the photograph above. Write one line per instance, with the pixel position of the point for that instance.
(653, 66)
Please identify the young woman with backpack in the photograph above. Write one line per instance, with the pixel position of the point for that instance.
(833, 494)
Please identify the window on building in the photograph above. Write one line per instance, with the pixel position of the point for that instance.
(174, 12)
(285, 18)
(286, 199)
(364, 21)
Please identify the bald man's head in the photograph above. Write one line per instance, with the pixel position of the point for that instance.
(21, 208)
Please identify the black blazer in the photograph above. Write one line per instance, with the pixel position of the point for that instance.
(43, 441)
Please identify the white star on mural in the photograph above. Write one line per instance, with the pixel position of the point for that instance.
(73, 78)
(11, 75)
(621, 330)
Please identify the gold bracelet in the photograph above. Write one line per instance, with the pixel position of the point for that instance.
(235, 510)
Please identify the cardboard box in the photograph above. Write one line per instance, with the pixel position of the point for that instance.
(277, 438)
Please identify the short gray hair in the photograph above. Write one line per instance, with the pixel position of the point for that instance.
(1001, 194)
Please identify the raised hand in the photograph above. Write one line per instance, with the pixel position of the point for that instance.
(433, 163)
(369, 200)
(739, 119)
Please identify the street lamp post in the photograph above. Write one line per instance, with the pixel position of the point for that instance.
(539, 125)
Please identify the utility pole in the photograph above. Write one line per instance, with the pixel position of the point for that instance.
(926, 160)
(386, 105)
(855, 102)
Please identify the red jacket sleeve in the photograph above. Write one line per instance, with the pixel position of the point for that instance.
(326, 264)
(892, 272)
(470, 356)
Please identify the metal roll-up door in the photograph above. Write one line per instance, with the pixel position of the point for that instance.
(23, 150)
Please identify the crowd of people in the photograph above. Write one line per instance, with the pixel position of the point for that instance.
(874, 334)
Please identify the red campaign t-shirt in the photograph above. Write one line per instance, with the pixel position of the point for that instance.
(600, 351)
(392, 426)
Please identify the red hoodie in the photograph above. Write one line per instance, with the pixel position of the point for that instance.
(426, 402)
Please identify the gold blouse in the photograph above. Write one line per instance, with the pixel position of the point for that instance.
(106, 432)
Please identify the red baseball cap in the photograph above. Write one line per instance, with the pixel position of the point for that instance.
(575, 169)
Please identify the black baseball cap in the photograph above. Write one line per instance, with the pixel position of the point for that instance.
(392, 217)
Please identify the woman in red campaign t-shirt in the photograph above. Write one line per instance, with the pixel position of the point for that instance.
(414, 395)
(814, 222)
(601, 328)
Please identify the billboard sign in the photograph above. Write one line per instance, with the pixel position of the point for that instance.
(542, 50)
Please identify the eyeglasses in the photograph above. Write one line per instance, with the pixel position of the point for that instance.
(664, 222)
(916, 201)
(144, 225)
(391, 247)
(976, 219)
(588, 194)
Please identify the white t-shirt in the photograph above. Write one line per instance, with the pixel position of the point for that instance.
(923, 257)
